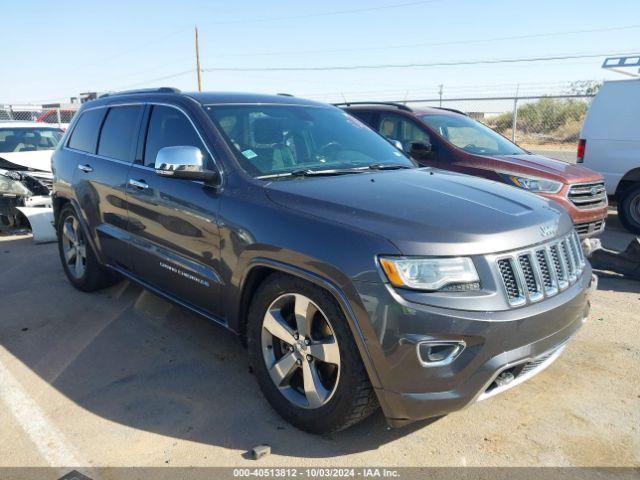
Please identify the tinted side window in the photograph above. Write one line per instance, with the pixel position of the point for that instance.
(169, 127)
(119, 131)
(402, 129)
(85, 133)
(366, 117)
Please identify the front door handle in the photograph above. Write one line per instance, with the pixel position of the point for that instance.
(86, 168)
(140, 184)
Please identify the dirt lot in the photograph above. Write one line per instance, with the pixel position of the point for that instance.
(122, 378)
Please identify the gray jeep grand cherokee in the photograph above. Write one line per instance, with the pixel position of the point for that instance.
(356, 279)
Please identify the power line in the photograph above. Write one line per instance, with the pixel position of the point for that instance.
(326, 14)
(433, 44)
(270, 19)
(412, 65)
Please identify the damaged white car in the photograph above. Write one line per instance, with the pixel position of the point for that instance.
(25, 177)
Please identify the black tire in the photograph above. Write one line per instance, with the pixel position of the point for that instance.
(94, 276)
(629, 208)
(353, 399)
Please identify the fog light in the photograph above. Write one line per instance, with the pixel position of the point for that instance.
(438, 353)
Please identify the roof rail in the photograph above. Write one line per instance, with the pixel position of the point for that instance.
(284, 95)
(144, 90)
(454, 110)
(391, 104)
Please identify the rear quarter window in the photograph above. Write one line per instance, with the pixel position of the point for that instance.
(85, 134)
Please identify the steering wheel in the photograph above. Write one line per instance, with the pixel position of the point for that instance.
(329, 149)
(471, 146)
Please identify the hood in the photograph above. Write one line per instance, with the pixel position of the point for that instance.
(538, 165)
(426, 212)
(39, 160)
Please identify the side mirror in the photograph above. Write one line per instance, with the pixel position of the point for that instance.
(183, 162)
(421, 149)
(395, 143)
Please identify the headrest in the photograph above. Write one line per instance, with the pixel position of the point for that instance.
(267, 131)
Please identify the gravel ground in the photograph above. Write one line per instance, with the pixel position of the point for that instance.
(121, 377)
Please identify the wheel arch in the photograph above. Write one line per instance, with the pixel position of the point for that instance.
(629, 178)
(259, 269)
(59, 203)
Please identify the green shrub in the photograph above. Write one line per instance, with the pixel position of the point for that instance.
(545, 117)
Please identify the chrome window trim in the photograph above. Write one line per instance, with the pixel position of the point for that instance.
(216, 164)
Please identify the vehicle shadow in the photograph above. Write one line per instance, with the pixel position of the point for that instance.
(130, 357)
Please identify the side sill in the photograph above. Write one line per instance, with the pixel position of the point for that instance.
(213, 319)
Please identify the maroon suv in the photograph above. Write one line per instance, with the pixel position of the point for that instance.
(450, 140)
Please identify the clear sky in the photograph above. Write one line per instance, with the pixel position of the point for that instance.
(53, 50)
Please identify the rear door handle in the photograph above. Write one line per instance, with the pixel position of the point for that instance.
(86, 168)
(140, 184)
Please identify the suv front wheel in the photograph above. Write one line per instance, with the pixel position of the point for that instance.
(305, 358)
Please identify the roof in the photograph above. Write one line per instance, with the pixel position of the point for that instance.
(207, 98)
(21, 124)
(388, 106)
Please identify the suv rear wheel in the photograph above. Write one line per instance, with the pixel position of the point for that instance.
(304, 357)
(78, 260)
(629, 208)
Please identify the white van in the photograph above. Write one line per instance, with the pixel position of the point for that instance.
(610, 144)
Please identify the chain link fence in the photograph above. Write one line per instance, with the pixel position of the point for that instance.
(548, 125)
(55, 116)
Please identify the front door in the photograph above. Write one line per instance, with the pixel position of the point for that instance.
(173, 222)
(397, 127)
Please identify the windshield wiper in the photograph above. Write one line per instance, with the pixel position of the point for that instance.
(307, 172)
(388, 166)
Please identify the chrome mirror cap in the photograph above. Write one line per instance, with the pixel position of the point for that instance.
(183, 162)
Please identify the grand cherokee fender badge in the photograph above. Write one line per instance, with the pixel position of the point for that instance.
(184, 274)
(549, 229)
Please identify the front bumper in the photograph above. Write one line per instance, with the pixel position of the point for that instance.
(520, 341)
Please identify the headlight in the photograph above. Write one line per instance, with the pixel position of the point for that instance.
(12, 187)
(533, 184)
(430, 273)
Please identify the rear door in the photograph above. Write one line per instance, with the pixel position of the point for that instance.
(105, 140)
(176, 243)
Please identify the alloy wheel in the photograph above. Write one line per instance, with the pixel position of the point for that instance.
(74, 247)
(634, 208)
(300, 351)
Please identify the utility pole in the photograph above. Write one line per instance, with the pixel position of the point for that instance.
(198, 62)
(514, 120)
(440, 93)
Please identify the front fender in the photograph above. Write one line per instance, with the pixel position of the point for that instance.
(345, 294)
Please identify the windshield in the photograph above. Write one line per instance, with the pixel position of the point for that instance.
(28, 139)
(470, 135)
(272, 140)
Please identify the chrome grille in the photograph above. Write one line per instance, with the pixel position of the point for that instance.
(588, 195)
(589, 227)
(509, 279)
(533, 274)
